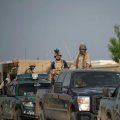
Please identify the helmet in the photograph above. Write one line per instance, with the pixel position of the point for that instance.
(32, 65)
(82, 47)
(57, 52)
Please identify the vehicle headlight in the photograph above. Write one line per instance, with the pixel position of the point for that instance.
(83, 103)
(28, 104)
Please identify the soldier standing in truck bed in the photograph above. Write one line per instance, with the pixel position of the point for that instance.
(57, 65)
(83, 58)
(30, 69)
(14, 70)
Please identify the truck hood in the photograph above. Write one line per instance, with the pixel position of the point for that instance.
(90, 91)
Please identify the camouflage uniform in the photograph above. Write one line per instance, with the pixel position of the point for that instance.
(30, 70)
(82, 61)
(57, 66)
(14, 70)
(83, 58)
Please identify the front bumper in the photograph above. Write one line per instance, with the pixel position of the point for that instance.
(27, 116)
(86, 116)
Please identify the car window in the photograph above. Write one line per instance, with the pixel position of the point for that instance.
(29, 88)
(61, 77)
(67, 80)
(93, 79)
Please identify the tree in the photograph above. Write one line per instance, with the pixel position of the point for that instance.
(114, 45)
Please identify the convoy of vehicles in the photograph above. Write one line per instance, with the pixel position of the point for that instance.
(19, 101)
(76, 94)
(110, 106)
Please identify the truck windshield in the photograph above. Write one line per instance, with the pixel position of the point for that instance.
(95, 79)
(31, 88)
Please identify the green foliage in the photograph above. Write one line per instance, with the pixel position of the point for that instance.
(114, 44)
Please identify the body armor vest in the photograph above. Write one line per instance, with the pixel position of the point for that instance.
(58, 66)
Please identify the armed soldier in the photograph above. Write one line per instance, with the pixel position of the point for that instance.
(13, 72)
(4, 85)
(11, 75)
(30, 69)
(57, 65)
(83, 58)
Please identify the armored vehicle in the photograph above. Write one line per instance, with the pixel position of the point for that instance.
(76, 94)
(19, 101)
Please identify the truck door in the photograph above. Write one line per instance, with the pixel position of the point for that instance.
(52, 105)
(64, 98)
(61, 100)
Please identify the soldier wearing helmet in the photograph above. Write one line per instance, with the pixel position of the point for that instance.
(30, 69)
(57, 65)
(83, 58)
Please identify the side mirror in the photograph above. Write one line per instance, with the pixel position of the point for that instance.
(58, 87)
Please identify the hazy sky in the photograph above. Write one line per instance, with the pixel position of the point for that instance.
(34, 28)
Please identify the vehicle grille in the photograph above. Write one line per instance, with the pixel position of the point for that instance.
(96, 103)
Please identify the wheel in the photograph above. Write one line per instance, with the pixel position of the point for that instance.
(17, 115)
(73, 116)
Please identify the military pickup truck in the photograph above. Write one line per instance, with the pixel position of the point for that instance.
(109, 108)
(76, 94)
(19, 102)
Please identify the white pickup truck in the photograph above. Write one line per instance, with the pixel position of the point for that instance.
(109, 108)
